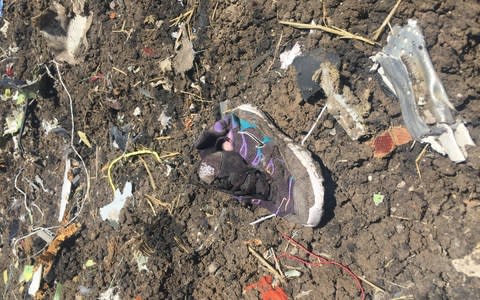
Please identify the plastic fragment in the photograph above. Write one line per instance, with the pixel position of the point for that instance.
(142, 261)
(35, 284)
(292, 273)
(287, 57)
(407, 70)
(387, 141)
(109, 294)
(112, 210)
(66, 189)
(378, 198)
(5, 276)
(267, 292)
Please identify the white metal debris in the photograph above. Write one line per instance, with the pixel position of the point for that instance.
(405, 66)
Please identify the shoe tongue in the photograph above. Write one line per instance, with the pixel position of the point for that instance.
(228, 171)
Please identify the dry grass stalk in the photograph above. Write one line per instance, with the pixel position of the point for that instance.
(379, 31)
(330, 29)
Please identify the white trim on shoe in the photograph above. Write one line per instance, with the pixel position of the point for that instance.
(316, 211)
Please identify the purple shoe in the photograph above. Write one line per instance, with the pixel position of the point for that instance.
(245, 155)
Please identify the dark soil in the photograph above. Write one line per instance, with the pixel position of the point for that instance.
(197, 250)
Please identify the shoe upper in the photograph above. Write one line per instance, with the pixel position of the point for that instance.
(245, 155)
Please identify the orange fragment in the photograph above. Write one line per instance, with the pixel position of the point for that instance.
(383, 145)
(400, 135)
(267, 292)
(112, 15)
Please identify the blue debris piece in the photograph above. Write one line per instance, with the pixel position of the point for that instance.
(1, 8)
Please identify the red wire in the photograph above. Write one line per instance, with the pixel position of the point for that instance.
(322, 261)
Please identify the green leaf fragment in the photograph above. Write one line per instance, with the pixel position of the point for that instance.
(27, 273)
(89, 263)
(58, 292)
(378, 198)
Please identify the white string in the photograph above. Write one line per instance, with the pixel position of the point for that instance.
(314, 124)
(262, 219)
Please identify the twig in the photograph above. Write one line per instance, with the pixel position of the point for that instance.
(212, 17)
(266, 264)
(275, 53)
(277, 263)
(314, 125)
(119, 71)
(379, 31)
(122, 30)
(330, 29)
(152, 181)
(379, 289)
(419, 157)
(156, 201)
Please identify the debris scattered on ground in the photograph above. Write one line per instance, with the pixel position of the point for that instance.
(306, 66)
(58, 292)
(66, 188)
(83, 137)
(89, 263)
(378, 199)
(266, 290)
(48, 256)
(48, 126)
(287, 57)
(292, 273)
(470, 264)
(27, 273)
(64, 35)
(36, 279)
(183, 60)
(110, 294)
(320, 260)
(165, 121)
(407, 70)
(120, 137)
(112, 210)
(330, 29)
(387, 141)
(346, 108)
(141, 261)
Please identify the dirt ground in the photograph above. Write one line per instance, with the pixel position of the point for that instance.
(195, 239)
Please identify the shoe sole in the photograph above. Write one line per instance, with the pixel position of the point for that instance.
(314, 207)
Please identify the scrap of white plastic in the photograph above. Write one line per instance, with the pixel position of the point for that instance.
(66, 188)
(287, 57)
(110, 294)
(35, 284)
(112, 210)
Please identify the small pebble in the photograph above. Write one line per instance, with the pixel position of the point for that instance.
(328, 124)
(212, 268)
(401, 184)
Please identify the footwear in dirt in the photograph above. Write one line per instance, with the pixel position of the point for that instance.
(245, 155)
